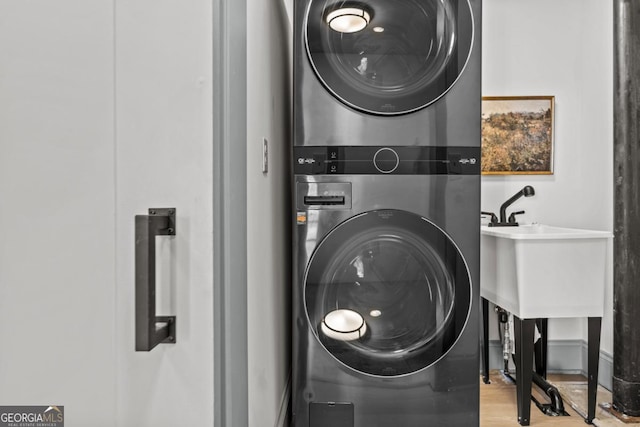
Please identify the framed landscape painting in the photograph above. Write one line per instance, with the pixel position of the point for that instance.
(517, 135)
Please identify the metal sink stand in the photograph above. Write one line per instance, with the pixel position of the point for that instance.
(524, 353)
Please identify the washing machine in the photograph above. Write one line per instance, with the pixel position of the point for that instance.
(385, 297)
(387, 72)
(386, 218)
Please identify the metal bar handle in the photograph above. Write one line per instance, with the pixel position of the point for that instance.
(151, 330)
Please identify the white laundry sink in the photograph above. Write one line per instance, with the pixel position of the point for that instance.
(540, 271)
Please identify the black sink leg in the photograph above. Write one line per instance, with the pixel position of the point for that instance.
(593, 356)
(485, 341)
(541, 348)
(524, 332)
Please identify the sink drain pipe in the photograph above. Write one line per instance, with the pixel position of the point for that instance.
(556, 407)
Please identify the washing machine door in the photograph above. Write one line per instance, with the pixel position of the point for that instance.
(389, 57)
(387, 293)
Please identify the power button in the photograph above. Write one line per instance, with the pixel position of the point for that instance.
(386, 160)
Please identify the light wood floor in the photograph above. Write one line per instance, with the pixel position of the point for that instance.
(498, 406)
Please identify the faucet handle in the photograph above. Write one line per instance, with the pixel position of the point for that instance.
(494, 218)
(512, 217)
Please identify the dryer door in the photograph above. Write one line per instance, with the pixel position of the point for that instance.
(388, 57)
(387, 293)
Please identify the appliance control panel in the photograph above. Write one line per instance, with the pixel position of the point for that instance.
(375, 160)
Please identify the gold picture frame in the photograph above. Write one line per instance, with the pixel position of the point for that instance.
(517, 135)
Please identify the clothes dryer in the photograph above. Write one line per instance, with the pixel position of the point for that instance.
(385, 297)
(380, 72)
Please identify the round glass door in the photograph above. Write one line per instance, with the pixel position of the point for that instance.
(388, 57)
(387, 293)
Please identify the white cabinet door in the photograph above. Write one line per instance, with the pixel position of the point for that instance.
(164, 159)
(105, 112)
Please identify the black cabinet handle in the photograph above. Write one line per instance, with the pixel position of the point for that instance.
(151, 330)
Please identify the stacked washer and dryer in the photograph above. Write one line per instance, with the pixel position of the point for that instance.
(387, 209)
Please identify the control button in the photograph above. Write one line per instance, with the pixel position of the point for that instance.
(386, 160)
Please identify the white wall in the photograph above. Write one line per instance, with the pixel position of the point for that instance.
(565, 49)
(268, 215)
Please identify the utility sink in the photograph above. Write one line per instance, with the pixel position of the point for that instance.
(540, 271)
